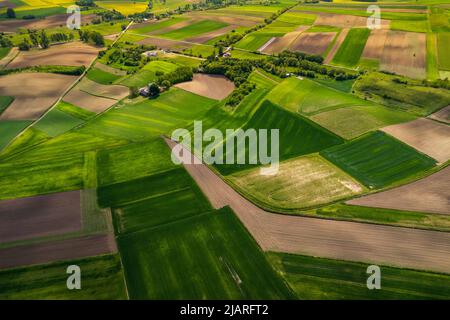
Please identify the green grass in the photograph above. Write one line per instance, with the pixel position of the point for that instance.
(133, 161)
(439, 20)
(351, 49)
(151, 27)
(344, 86)
(413, 97)
(75, 111)
(378, 160)
(432, 57)
(38, 12)
(56, 122)
(5, 101)
(4, 52)
(10, 129)
(209, 256)
(256, 40)
(101, 278)
(148, 73)
(297, 135)
(386, 216)
(28, 138)
(297, 18)
(318, 278)
(101, 76)
(194, 29)
(182, 60)
(410, 26)
(443, 40)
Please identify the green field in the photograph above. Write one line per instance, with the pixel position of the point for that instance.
(443, 40)
(151, 27)
(432, 57)
(4, 52)
(194, 29)
(208, 256)
(149, 73)
(38, 12)
(75, 111)
(410, 25)
(351, 49)
(378, 160)
(297, 135)
(10, 129)
(300, 183)
(56, 122)
(318, 278)
(5, 102)
(101, 278)
(256, 40)
(101, 76)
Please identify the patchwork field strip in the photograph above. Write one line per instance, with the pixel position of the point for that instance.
(339, 39)
(52, 21)
(426, 195)
(419, 249)
(313, 43)
(344, 21)
(282, 43)
(442, 115)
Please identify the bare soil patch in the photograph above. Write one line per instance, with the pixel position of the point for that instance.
(340, 38)
(313, 43)
(284, 42)
(405, 53)
(427, 136)
(375, 44)
(39, 216)
(59, 250)
(53, 21)
(34, 93)
(67, 54)
(344, 21)
(166, 44)
(430, 194)
(88, 101)
(442, 115)
(211, 35)
(212, 86)
(403, 247)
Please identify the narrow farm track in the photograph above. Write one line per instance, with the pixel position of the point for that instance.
(395, 246)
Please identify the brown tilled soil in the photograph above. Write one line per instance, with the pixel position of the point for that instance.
(340, 38)
(442, 115)
(40, 216)
(166, 44)
(427, 136)
(49, 22)
(237, 20)
(113, 91)
(344, 21)
(430, 194)
(211, 35)
(212, 86)
(313, 42)
(405, 53)
(87, 101)
(67, 54)
(58, 250)
(284, 42)
(375, 44)
(344, 240)
(34, 93)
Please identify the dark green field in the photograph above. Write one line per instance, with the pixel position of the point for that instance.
(351, 49)
(316, 278)
(101, 278)
(56, 122)
(377, 160)
(5, 102)
(101, 76)
(208, 256)
(297, 135)
(10, 129)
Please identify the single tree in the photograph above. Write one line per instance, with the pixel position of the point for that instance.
(153, 90)
(44, 41)
(10, 13)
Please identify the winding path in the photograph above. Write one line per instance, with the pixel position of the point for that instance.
(395, 246)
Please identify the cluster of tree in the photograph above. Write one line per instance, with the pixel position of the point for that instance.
(239, 93)
(35, 39)
(181, 74)
(86, 3)
(61, 37)
(29, 17)
(92, 36)
(68, 70)
(5, 42)
(110, 15)
(130, 56)
(234, 69)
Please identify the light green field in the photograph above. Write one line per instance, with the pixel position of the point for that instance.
(256, 40)
(148, 73)
(56, 122)
(432, 57)
(318, 278)
(410, 26)
(443, 41)
(102, 278)
(75, 111)
(182, 60)
(101, 76)
(300, 183)
(157, 25)
(194, 29)
(297, 18)
(353, 121)
(351, 49)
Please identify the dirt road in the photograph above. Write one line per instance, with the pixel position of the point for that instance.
(403, 247)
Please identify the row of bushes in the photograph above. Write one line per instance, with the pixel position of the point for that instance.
(68, 70)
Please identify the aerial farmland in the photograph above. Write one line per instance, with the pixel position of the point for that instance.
(224, 149)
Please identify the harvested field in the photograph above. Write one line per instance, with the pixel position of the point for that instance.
(375, 44)
(40, 253)
(340, 38)
(40, 216)
(313, 43)
(442, 115)
(68, 54)
(394, 246)
(87, 101)
(405, 54)
(427, 136)
(237, 20)
(115, 92)
(430, 194)
(32, 99)
(166, 44)
(344, 21)
(284, 42)
(205, 37)
(52, 21)
(211, 86)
